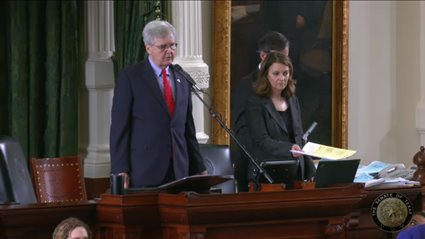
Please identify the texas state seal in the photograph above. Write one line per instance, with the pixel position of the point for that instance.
(392, 211)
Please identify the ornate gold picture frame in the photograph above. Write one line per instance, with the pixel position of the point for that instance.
(221, 81)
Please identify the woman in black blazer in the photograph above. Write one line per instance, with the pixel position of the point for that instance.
(274, 119)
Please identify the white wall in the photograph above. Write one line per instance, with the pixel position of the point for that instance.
(408, 87)
(384, 85)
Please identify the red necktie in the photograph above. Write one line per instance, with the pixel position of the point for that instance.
(168, 93)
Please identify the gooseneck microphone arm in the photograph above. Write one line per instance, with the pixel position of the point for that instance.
(186, 75)
(309, 131)
(217, 117)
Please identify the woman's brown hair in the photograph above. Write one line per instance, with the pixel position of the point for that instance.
(263, 87)
(64, 229)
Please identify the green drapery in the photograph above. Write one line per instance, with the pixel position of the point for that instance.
(39, 75)
(130, 18)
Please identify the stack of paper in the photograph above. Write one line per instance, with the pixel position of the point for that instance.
(390, 183)
(365, 173)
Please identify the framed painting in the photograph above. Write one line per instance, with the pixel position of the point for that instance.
(318, 35)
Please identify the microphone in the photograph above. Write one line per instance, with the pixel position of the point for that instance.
(186, 75)
(309, 131)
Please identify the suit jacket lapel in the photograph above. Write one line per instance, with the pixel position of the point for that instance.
(294, 111)
(150, 79)
(294, 114)
(178, 86)
(273, 112)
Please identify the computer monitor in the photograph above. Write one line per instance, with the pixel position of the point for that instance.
(281, 171)
(332, 172)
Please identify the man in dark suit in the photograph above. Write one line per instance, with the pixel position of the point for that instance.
(152, 137)
(271, 42)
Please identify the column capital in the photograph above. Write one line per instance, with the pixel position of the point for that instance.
(100, 29)
(188, 23)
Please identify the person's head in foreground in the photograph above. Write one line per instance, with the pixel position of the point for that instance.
(417, 218)
(72, 228)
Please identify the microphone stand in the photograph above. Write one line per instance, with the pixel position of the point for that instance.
(305, 140)
(223, 125)
(308, 132)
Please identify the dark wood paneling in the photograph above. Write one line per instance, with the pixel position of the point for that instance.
(96, 186)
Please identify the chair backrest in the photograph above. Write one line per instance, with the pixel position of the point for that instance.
(15, 179)
(58, 179)
(217, 160)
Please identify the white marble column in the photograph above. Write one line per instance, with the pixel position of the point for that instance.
(420, 107)
(186, 17)
(99, 83)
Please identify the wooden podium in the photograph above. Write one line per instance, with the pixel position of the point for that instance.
(319, 213)
(338, 212)
(128, 216)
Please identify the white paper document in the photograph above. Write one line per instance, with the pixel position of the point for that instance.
(391, 182)
(325, 152)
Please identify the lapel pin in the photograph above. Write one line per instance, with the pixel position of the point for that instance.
(178, 80)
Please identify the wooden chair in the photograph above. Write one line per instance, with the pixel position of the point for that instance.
(58, 179)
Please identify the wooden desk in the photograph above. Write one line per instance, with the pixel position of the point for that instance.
(363, 225)
(320, 213)
(316, 213)
(128, 216)
(38, 221)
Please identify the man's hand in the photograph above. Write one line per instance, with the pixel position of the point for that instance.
(204, 172)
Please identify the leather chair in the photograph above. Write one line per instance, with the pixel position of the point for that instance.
(15, 180)
(58, 179)
(217, 160)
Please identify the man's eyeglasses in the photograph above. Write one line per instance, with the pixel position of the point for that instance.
(165, 47)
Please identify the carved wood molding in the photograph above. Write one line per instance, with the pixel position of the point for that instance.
(221, 73)
(340, 74)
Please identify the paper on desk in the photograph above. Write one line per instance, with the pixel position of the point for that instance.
(362, 177)
(373, 167)
(391, 182)
(323, 151)
(365, 173)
